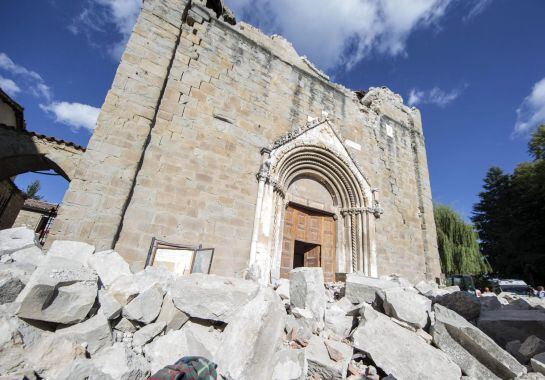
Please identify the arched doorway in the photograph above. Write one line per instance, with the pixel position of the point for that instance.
(316, 154)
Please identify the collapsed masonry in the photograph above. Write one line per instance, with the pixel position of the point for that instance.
(73, 313)
(200, 106)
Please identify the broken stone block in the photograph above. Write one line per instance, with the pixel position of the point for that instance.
(532, 376)
(506, 325)
(464, 304)
(60, 291)
(124, 325)
(337, 321)
(29, 256)
(82, 369)
(223, 295)
(109, 306)
(489, 301)
(302, 313)
(426, 288)
(538, 363)
(407, 306)
(11, 346)
(147, 333)
(191, 340)
(251, 337)
(10, 287)
(476, 354)
(15, 239)
(532, 346)
(119, 362)
(380, 338)
(124, 289)
(513, 348)
(146, 306)
(72, 250)
(283, 289)
(109, 265)
(173, 317)
(403, 282)
(320, 363)
(95, 332)
(151, 276)
(302, 328)
(360, 288)
(424, 335)
(307, 291)
(290, 365)
(51, 354)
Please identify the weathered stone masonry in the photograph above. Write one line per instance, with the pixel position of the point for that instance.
(199, 108)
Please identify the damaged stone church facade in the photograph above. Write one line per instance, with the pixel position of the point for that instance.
(216, 134)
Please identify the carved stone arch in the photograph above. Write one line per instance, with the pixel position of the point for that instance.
(314, 151)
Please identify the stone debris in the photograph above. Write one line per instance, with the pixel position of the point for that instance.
(15, 239)
(84, 315)
(463, 303)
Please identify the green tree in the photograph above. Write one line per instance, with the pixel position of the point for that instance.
(32, 190)
(536, 146)
(458, 245)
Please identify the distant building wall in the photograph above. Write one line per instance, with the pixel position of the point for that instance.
(11, 201)
(28, 218)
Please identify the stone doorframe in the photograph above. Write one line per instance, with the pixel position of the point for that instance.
(314, 151)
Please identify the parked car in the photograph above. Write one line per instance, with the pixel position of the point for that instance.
(464, 282)
(517, 287)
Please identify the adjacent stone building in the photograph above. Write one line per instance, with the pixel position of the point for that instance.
(215, 133)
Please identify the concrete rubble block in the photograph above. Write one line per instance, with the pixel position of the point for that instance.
(283, 289)
(403, 282)
(463, 303)
(109, 306)
(94, 332)
(124, 325)
(173, 317)
(120, 362)
(10, 287)
(11, 346)
(307, 291)
(59, 291)
(506, 325)
(72, 250)
(109, 265)
(532, 346)
(360, 288)
(290, 365)
(320, 363)
(532, 376)
(300, 327)
(513, 348)
(51, 354)
(29, 256)
(82, 369)
(538, 363)
(146, 306)
(424, 335)
(21, 271)
(15, 239)
(475, 353)
(490, 301)
(191, 340)
(426, 288)
(337, 321)
(400, 352)
(124, 289)
(251, 337)
(302, 313)
(155, 276)
(224, 296)
(147, 333)
(407, 306)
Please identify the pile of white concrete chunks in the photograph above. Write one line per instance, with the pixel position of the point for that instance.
(73, 313)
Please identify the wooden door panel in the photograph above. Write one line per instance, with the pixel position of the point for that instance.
(312, 257)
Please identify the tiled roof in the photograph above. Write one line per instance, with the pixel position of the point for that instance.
(37, 205)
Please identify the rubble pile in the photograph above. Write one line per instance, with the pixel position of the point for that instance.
(73, 313)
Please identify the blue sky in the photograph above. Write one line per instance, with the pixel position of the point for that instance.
(474, 68)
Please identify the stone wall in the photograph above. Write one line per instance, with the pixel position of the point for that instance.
(28, 218)
(11, 201)
(177, 146)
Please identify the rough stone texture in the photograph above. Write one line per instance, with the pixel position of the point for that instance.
(381, 339)
(283, 289)
(532, 376)
(467, 305)
(15, 239)
(361, 288)
(173, 317)
(124, 289)
(307, 291)
(251, 337)
(320, 363)
(219, 93)
(121, 363)
(337, 321)
(407, 306)
(146, 306)
(224, 296)
(82, 369)
(147, 333)
(475, 353)
(506, 325)
(95, 332)
(490, 301)
(109, 266)
(538, 363)
(125, 325)
(60, 290)
(10, 287)
(72, 250)
(532, 346)
(29, 256)
(290, 365)
(109, 306)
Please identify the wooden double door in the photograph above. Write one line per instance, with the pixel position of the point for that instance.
(308, 240)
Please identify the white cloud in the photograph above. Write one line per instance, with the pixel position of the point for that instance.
(434, 96)
(9, 86)
(95, 17)
(341, 33)
(531, 112)
(33, 81)
(477, 7)
(75, 115)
